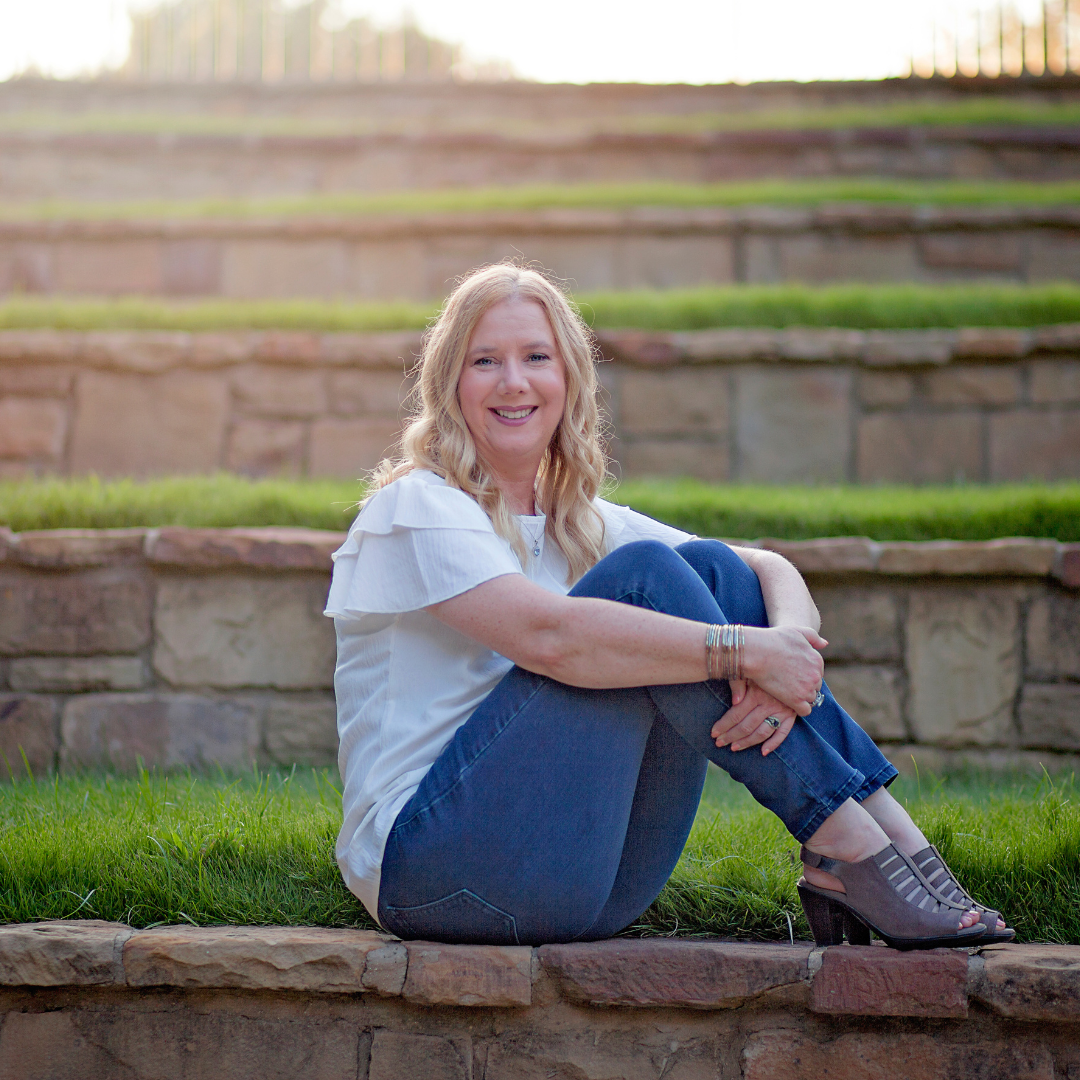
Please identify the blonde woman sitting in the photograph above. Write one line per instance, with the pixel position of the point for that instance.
(531, 680)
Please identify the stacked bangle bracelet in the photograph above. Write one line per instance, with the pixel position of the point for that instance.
(727, 640)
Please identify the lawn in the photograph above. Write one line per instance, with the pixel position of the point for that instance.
(859, 307)
(597, 196)
(962, 512)
(258, 849)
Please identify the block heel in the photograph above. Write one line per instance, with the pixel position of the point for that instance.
(831, 922)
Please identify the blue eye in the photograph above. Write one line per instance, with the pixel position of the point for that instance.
(539, 356)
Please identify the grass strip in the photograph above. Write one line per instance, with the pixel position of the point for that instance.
(869, 307)
(600, 196)
(967, 512)
(258, 849)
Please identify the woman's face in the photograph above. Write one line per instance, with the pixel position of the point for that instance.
(513, 387)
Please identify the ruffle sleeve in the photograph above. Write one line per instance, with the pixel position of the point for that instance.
(623, 525)
(417, 542)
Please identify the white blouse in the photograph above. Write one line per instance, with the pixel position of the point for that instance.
(405, 682)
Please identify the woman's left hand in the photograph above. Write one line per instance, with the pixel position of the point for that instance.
(744, 723)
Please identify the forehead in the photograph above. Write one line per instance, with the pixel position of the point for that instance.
(514, 318)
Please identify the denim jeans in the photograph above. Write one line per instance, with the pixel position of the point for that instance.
(557, 813)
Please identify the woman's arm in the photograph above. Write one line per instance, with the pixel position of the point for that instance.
(787, 599)
(600, 643)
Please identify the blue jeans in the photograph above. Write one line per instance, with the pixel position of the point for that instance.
(557, 813)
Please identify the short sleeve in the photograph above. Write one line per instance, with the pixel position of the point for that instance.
(623, 525)
(417, 542)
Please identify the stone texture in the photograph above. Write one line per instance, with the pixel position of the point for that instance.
(915, 449)
(244, 631)
(368, 393)
(77, 953)
(396, 1055)
(674, 973)
(487, 975)
(1050, 716)
(985, 253)
(131, 425)
(791, 426)
(385, 969)
(70, 674)
(878, 389)
(266, 447)
(779, 1054)
(348, 448)
(32, 429)
(859, 980)
(1053, 636)
(1030, 982)
(69, 548)
(1055, 382)
(963, 664)
(701, 459)
(679, 401)
(45, 380)
(859, 623)
(983, 558)
(276, 391)
(27, 727)
(93, 611)
(872, 693)
(308, 958)
(964, 384)
(116, 731)
(1035, 445)
(263, 549)
(828, 555)
(301, 731)
(146, 352)
(1067, 566)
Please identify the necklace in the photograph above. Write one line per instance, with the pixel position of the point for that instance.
(535, 537)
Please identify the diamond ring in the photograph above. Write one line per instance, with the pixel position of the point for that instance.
(772, 721)
(819, 699)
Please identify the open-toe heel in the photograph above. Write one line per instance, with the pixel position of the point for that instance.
(934, 869)
(885, 893)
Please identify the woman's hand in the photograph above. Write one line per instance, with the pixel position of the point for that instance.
(784, 661)
(744, 724)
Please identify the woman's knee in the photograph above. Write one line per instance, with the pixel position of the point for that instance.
(734, 585)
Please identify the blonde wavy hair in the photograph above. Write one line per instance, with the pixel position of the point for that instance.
(436, 436)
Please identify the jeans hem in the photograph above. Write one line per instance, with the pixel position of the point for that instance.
(825, 809)
(882, 778)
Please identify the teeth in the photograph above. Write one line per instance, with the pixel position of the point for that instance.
(514, 414)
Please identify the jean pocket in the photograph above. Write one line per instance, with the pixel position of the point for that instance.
(462, 918)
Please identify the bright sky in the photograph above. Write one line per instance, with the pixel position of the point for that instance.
(568, 40)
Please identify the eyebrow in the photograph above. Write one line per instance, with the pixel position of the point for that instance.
(528, 345)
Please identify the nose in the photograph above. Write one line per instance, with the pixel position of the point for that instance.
(514, 378)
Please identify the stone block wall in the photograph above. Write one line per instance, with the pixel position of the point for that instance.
(189, 647)
(793, 406)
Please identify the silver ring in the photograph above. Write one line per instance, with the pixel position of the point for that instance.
(772, 721)
(818, 700)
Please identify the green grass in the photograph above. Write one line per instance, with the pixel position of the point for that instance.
(968, 512)
(258, 849)
(600, 196)
(777, 306)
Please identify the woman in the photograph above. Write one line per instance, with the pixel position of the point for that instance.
(529, 678)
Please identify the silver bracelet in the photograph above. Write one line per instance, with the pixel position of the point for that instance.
(731, 639)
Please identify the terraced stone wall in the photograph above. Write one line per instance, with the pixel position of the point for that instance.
(199, 646)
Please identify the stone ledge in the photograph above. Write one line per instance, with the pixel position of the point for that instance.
(1018, 982)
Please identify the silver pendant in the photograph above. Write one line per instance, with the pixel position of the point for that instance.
(536, 550)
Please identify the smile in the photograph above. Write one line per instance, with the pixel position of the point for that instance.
(515, 414)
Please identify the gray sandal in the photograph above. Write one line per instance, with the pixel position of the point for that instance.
(933, 868)
(886, 893)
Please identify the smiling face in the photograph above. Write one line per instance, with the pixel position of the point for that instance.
(512, 389)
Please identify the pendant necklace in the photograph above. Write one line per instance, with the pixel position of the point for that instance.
(536, 539)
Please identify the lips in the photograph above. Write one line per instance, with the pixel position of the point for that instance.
(515, 414)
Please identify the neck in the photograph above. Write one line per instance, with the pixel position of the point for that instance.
(517, 489)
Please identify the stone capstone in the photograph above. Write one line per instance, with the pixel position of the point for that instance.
(494, 975)
(1030, 982)
(77, 953)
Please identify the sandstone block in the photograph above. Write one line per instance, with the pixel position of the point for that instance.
(289, 347)
(266, 447)
(648, 347)
(993, 342)
(963, 664)
(1030, 982)
(32, 429)
(1008, 558)
(903, 348)
(38, 380)
(107, 267)
(132, 425)
(1050, 716)
(879, 389)
(163, 730)
(72, 674)
(872, 693)
(679, 401)
(234, 631)
(988, 253)
(649, 972)
(302, 732)
(27, 726)
(965, 384)
(384, 970)
(191, 267)
(859, 624)
(81, 952)
(701, 459)
(1053, 636)
(791, 426)
(1055, 382)
(264, 548)
(913, 449)
(817, 258)
(148, 352)
(67, 548)
(347, 448)
(368, 393)
(1054, 256)
(84, 613)
(669, 262)
(780, 1054)
(1067, 565)
(396, 350)
(278, 391)
(309, 958)
(224, 348)
(258, 269)
(1030, 444)
(828, 555)
(483, 975)
(398, 1054)
(857, 980)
